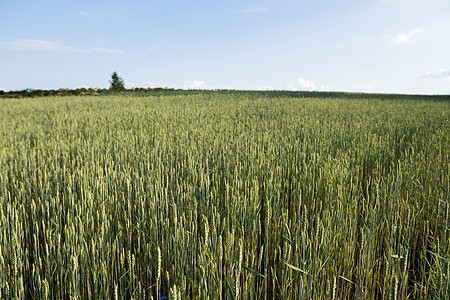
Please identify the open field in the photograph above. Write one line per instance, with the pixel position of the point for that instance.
(217, 195)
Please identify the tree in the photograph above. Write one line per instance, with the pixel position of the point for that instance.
(116, 83)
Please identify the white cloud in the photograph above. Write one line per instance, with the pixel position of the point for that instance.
(38, 45)
(264, 88)
(49, 46)
(130, 85)
(306, 85)
(81, 87)
(150, 84)
(202, 85)
(186, 85)
(196, 84)
(86, 13)
(151, 48)
(441, 73)
(253, 10)
(105, 50)
(405, 37)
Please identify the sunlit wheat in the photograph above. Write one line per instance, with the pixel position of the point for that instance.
(222, 195)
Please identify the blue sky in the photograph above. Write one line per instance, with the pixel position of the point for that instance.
(386, 46)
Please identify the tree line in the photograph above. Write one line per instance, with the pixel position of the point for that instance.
(75, 92)
(116, 85)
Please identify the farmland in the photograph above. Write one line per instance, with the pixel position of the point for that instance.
(224, 195)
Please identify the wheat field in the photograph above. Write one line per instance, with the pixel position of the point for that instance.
(224, 195)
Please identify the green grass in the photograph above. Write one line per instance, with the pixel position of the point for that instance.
(216, 195)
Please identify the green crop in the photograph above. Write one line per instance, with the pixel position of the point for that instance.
(215, 195)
